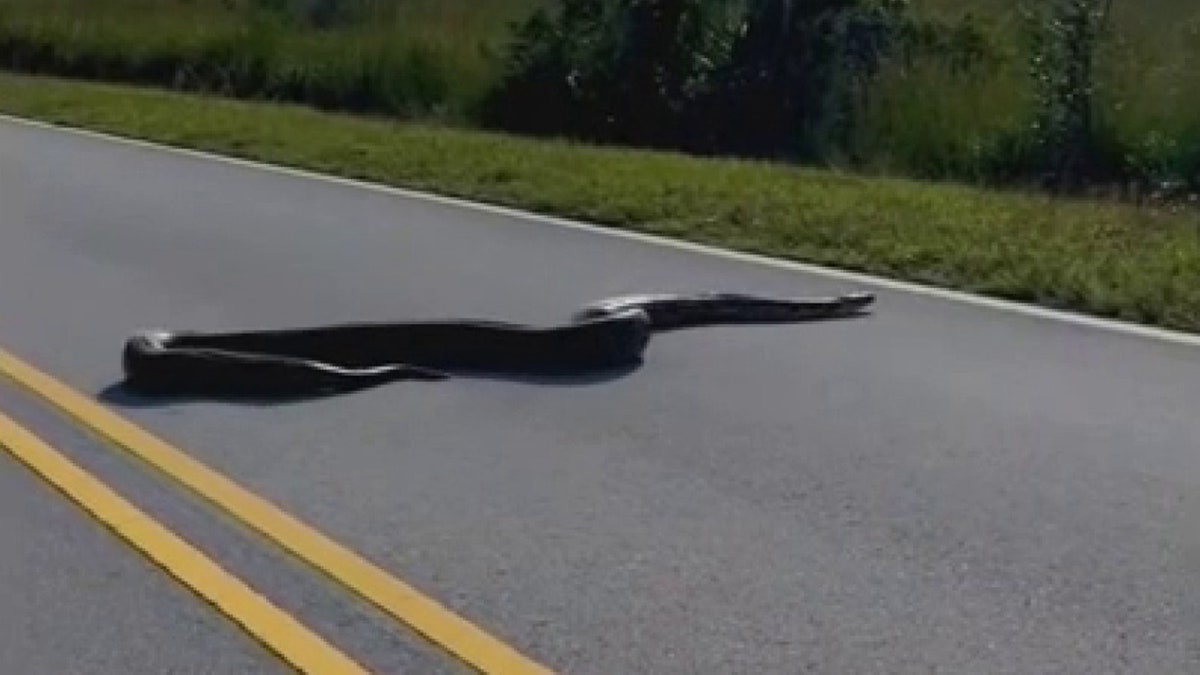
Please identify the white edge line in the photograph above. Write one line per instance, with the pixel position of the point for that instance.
(1137, 330)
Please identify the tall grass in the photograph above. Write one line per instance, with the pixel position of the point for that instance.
(926, 121)
(410, 57)
(1153, 98)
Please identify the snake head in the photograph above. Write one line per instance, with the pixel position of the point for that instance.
(854, 302)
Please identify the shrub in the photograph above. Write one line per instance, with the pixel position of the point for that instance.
(765, 78)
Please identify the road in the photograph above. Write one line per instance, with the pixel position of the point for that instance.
(940, 486)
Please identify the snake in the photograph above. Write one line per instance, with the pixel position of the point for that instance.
(329, 359)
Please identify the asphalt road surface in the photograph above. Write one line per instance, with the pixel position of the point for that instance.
(939, 486)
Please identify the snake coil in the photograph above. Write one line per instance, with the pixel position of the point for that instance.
(606, 334)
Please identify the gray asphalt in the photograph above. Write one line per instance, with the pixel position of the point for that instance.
(76, 601)
(162, 632)
(938, 486)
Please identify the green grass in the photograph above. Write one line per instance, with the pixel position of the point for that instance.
(1108, 260)
(429, 58)
(927, 122)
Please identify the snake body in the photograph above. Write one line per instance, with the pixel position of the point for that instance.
(610, 333)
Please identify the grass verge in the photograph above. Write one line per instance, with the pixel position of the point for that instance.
(1093, 257)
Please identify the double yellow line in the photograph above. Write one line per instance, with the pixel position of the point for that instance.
(297, 645)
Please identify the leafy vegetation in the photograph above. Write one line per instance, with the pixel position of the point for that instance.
(763, 78)
(867, 83)
(1061, 93)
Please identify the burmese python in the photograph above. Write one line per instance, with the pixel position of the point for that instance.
(610, 333)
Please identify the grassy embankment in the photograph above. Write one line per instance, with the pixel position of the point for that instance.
(1109, 260)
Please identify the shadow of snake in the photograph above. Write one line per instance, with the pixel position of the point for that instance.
(288, 363)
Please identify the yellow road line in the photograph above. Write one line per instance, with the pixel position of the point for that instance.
(278, 631)
(403, 602)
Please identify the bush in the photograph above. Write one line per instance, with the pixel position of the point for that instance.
(1064, 41)
(626, 71)
(764, 78)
